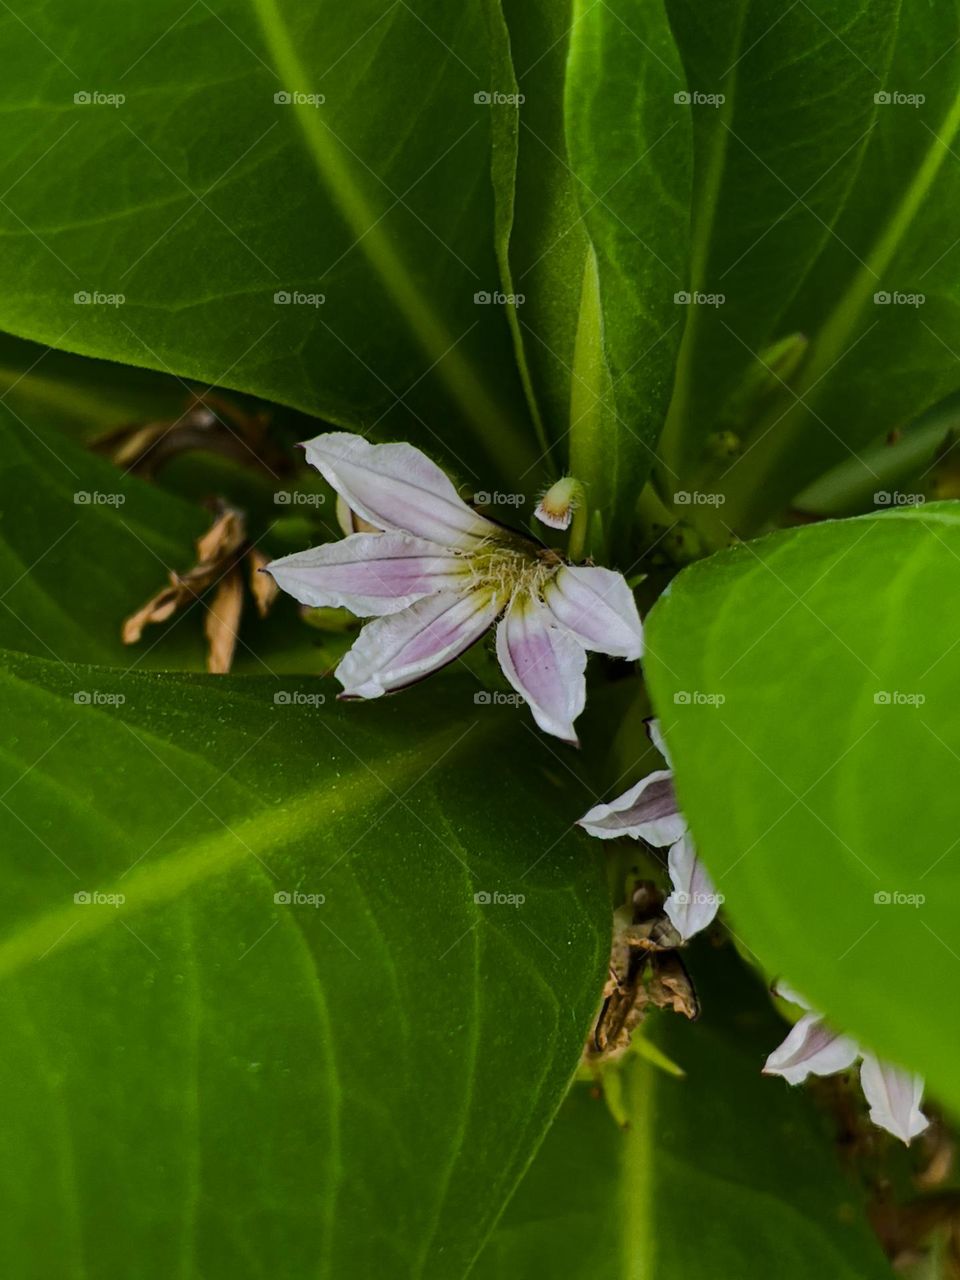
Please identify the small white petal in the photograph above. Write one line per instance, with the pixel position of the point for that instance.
(694, 901)
(370, 573)
(811, 1048)
(545, 665)
(394, 651)
(648, 811)
(786, 992)
(396, 487)
(655, 734)
(598, 607)
(894, 1096)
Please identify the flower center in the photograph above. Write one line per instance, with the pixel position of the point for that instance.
(509, 570)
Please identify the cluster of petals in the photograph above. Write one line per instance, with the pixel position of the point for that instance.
(812, 1048)
(434, 574)
(649, 811)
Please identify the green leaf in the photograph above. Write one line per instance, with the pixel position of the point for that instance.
(721, 1173)
(200, 198)
(812, 196)
(216, 1081)
(629, 147)
(806, 686)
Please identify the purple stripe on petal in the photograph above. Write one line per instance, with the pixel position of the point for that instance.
(598, 607)
(545, 665)
(370, 573)
(648, 811)
(811, 1048)
(694, 901)
(396, 487)
(894, 1096)
(395, 651)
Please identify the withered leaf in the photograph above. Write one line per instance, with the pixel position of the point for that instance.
(221, 625)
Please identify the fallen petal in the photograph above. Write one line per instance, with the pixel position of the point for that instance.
(648, 811)
(811, 1048)
(545, 664)
(396, 650)
(894, 1096)
(370, 573)
(598, 607)
(694, 901)
(396, 487)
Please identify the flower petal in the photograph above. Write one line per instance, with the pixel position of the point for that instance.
(396, 487)
(648, 811)
(811, 1048)
(370, 573)
(598, 607)
(694, 901)
(395, 651)
(894, 1097)
(655, 735)
(783, 991)
(545, 665)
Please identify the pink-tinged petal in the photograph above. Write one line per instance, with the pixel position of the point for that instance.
(545, 665)
(894, 1096)
(394, 651)
(811, 1048)
(648, 811)
(694, 901)
(396, 487)
(655, 734)
(370, 573)
(598, 607)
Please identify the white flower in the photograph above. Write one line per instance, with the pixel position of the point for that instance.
(811, 1048)
(649, 811)
(435, 575)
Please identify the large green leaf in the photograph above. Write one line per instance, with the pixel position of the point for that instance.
(814, 194)
(200, 197)
(807, 687)
(720, 1174)
(214, 1080)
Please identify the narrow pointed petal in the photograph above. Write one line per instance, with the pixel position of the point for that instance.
(894, 1096)
(655, 734)
(370, 573)
(598, 607)
(392, 652)
(396, 487)
(545, 665)
(694, 901)
(648, 811)
(784, 991)
(811, 1048)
